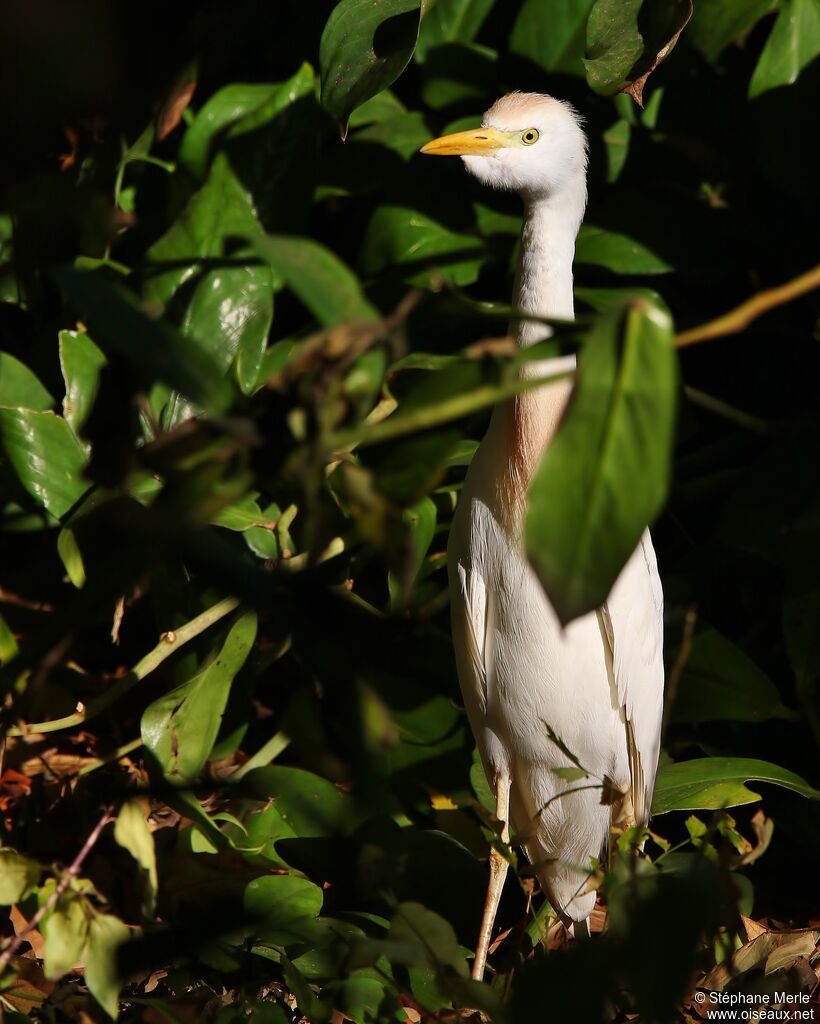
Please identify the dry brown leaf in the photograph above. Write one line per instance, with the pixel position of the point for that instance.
(635, 89)
(798, 944)
(34, 938)
(173, 108)
(752, 928)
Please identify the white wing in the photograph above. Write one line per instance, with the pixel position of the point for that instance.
(469, 625)
(633, 621)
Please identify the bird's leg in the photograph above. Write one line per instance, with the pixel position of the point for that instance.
(498, 873)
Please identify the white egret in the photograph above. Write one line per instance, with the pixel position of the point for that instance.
(598, 683)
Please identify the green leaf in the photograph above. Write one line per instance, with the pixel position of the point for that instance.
(556, 42)
(364, 49)
(274, 152)
(229, 308)
(793, 44)
(717, 23)
(181, 727)
(308, 805)
(604, 477)
(317, 277)
(46, 457)
(152, 345)
(405, 240)
(72, 558)
(421, 522)
(721, 682)
(710, 783)
(19, 387)
(81, 362)
(617, 252)
(8, 645)
(627, 39)
(106, 935)
(284, 908)
(616, 140)
(450, 21)
(65, 930)
(131, 831)
(18, 876)
(227, 106)
(413, 924)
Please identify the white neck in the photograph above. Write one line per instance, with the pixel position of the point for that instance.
(525, 425)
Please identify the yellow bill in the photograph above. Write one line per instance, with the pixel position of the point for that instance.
(476, 142)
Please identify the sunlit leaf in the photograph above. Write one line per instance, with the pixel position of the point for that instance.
(556, 43)
(18, 876)
(181, 727)
(81, 362)
(364, 48)
(283, 907)
(604, 477)
(131, 831)
(627, 39)
(617, 252)
(102, 975)
(324, 284)
(46, 457)
(793, 44)
(709, 783)
(65, 930)
(450, 21)
(20, 387)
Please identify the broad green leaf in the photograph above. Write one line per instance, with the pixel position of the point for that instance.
(65, 929)
(556, 41)
(19, 387)
(360, 995)
(450, 21)
(721, 682)
(617, 252)
(46, 457)
(308, 805)
(181, 727)
(284, 908)
(224, 108)
(105, 936)
(459, 74)
(152, 345)
(72, 558)
(331, 941)
(604, 477)
(384, 106)
(412, 923)
(717, 23)
(616, 140)
(794, 43)
(421, 522)
(229, 308)
(400, 239)
(274, 152)
(627, 39)
(131, 831)
(8, 645)
(18, 876)
(318, 278)
(710, 783)
(81, 362)
(364, 49)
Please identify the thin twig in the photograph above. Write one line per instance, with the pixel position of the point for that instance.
(169, 644)
(736, 319)
(71, 872)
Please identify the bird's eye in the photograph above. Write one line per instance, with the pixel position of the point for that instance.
(529, 136)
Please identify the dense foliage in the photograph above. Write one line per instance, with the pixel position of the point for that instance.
(244, 366)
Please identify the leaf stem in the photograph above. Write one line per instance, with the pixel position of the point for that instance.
(169, 644)
(740, 317)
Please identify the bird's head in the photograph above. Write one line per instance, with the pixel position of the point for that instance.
(527, 142)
